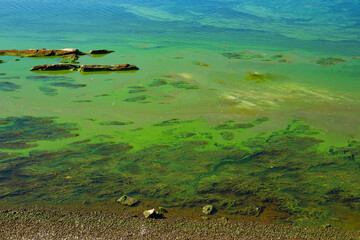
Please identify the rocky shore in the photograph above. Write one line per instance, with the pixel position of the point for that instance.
(39, 223)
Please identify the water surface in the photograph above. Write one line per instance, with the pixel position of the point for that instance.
(250, 106)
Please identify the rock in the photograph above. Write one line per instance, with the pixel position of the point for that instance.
(329, 61)
(54, 67)
(152, 214)
(66, 51)
(163, 210)
(41, 52)
(127, 200)
(2, 61)
(207, 209)
(96, 68)
(70, 58)
(101, 51)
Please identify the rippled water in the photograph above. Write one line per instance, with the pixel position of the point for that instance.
(250, 106)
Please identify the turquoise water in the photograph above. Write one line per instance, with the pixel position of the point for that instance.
(250, 106)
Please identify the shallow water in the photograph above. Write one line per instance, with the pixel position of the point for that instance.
(247, 106)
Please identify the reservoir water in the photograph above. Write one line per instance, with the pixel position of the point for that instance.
(251, 106)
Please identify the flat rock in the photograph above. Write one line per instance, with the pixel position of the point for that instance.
(97, 68)
(41, 52)
(101, 51)
(127, 200)
(54, 67)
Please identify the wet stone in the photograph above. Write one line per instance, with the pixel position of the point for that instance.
(163, 210)
(127, 200)
(54, 67)
(208, 209)
(101, 51)
(100, 68)
(70, 58)
(152, 213)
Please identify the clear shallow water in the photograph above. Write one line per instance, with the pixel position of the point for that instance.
(235, 104)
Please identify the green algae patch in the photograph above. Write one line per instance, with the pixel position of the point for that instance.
(24, 132)
(50, 83)
(192, 164)
(116, 123)
(9, 87)
(232, 125)
(245, 54)
(329, 61)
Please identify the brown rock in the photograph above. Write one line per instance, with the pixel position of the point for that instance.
(41, 52)
(119, 67)
(54, 67)
(100, 51)
(65, 51)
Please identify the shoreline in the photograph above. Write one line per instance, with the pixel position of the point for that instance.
(44, 223)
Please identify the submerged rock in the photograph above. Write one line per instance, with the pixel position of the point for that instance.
(70, 58)
(127, 200)
(152, 214)
(118, 67)
(54, 67)
(41, 52)
(101, 51)
(328, 61)
(208, 209)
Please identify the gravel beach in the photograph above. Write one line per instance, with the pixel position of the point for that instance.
(36, 223)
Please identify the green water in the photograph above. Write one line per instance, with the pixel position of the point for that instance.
(241, 116)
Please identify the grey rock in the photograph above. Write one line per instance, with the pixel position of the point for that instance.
(152, 214)
(127, 200)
